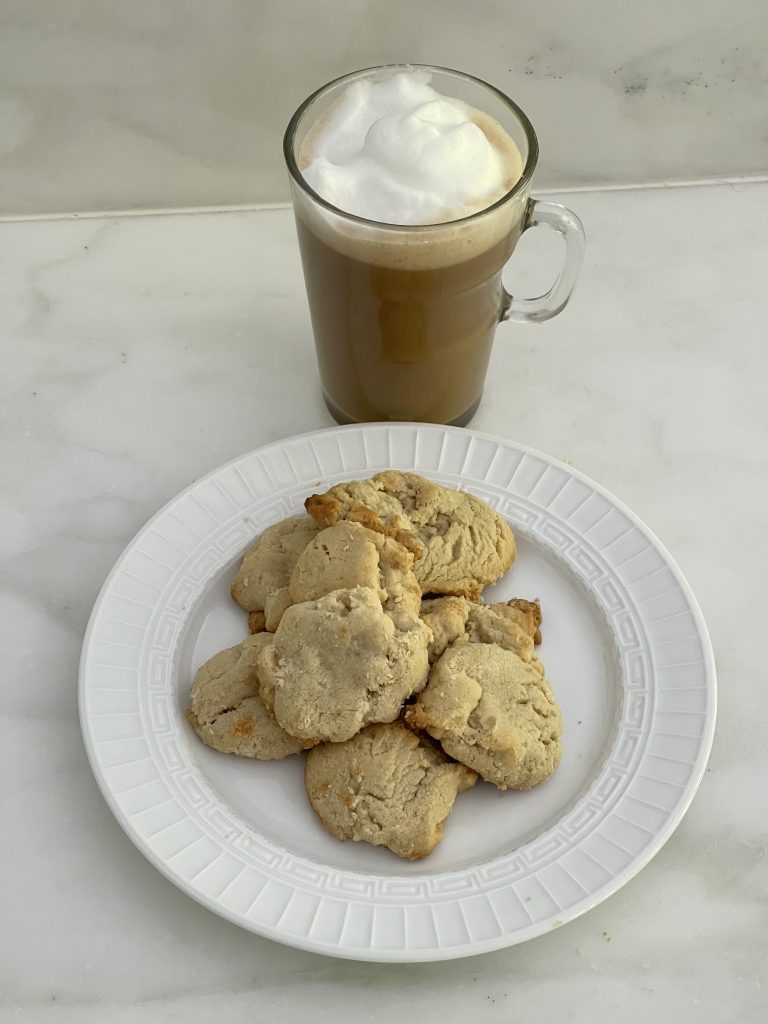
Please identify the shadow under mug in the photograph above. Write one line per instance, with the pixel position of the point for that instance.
(404, 315)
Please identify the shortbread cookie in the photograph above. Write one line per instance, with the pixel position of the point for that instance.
(492, 711)
(447, 618)
(349, 555)
(340, 663)
(464, 544)
(227, 712)
(527, 614)
(261, 584)
(385, 786)
(513, 624)
(257, 622)
(500, 624)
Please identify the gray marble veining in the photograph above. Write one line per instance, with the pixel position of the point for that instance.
(144, 105)
(139, 353)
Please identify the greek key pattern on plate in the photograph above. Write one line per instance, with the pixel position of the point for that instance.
(141, 758)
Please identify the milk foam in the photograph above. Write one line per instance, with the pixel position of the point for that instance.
(397, 151)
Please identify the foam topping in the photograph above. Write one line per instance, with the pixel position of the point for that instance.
(399, 152)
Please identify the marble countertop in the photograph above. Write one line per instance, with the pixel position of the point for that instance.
(139, 353)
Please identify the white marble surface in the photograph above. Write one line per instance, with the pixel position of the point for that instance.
(139, 353)
(110, 106)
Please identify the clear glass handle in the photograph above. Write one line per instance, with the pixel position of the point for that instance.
(553, 301)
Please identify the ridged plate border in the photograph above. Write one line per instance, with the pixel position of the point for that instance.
(139, 750)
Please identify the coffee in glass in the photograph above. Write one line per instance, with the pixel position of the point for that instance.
(411, 188)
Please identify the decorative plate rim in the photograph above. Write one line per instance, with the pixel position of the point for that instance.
(434, 949)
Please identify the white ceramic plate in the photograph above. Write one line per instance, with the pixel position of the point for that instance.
(626, 651)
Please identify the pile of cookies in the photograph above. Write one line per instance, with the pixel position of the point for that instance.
(370, 649)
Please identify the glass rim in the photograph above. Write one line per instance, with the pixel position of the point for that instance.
(298, 177)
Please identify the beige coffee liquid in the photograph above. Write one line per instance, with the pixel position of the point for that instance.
(404, 317)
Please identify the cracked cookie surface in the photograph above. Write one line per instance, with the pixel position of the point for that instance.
(385, 786)
(226, 710)
(349, 555)
(514, 625)
(261, 583)
(460, 542)
(340, 663)
(492, 711)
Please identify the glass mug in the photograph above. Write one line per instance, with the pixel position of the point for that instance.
(404, 315)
